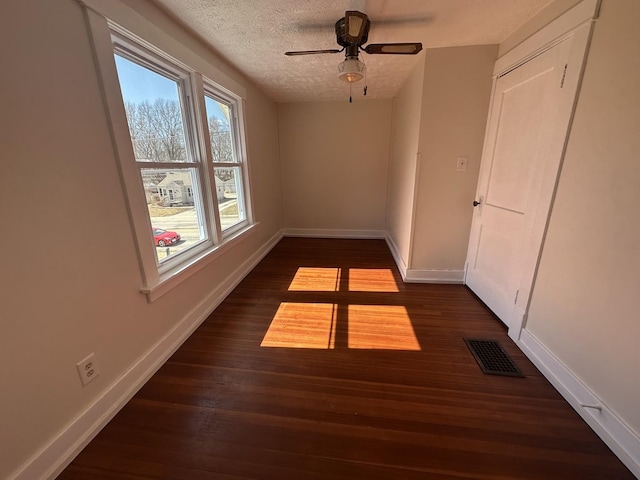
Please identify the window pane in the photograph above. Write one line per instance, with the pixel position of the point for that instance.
(174, 210)
(154, 114)
(218, 115)
(230, 197)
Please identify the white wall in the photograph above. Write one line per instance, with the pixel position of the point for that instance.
(585, 301)
(455, 102)
(70, 276)
(405, 134)
(439, 114)
(334, 160)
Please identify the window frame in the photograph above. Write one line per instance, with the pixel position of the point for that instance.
(238, 143)
(159, 278)
(131, 51)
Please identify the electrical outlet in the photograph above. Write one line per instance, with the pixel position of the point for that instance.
(462, 164)
(87, 369)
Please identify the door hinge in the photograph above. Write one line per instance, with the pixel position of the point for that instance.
(516, 299)
(564, 75)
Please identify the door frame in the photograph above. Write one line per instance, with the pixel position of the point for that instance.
(576, 25)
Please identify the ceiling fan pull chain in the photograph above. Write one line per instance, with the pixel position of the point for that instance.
(365, 81)
(350, 99)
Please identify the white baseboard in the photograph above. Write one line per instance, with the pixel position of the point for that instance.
(434, 276)
(422, 276)
(332, 233)
(395, 253)
(620, 438)
(49, 461)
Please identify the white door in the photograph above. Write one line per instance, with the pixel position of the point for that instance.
(531, 109)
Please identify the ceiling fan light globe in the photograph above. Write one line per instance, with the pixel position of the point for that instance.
(351, 70)
(351, 77)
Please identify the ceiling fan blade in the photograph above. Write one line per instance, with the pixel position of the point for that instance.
(312, 52)
(394, 48)
(355, 27)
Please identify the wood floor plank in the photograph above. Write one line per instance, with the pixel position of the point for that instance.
(322, 364)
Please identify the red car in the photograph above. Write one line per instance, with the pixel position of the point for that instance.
(162, 238)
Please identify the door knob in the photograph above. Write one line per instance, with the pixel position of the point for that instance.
(476, 203)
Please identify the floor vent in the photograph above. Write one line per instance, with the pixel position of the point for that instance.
(492, 358)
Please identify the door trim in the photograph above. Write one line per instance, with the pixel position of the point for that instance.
(547, 37)
(579, 49)
(577, 25)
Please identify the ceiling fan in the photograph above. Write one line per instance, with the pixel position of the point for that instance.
(352, 32)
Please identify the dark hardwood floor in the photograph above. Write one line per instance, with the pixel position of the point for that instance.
(322, 364)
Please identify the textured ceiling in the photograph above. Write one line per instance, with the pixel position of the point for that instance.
(254, 34)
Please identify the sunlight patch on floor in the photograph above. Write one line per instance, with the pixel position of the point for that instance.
(372, 280)
(381, 327)
(314, 325)
(309, 279)
(302, 325)
(326, 279)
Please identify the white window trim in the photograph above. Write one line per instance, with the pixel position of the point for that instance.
(158, 280)
(195, 264)
(130, 20)
(239, 145)
(130, 48)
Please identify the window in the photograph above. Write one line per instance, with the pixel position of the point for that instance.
(186, 176)
(226, 169)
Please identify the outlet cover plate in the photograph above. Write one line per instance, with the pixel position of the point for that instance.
(88, 369)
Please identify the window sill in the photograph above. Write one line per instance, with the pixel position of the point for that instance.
(176, 276)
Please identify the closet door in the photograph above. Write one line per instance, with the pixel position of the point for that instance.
(531, 110)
